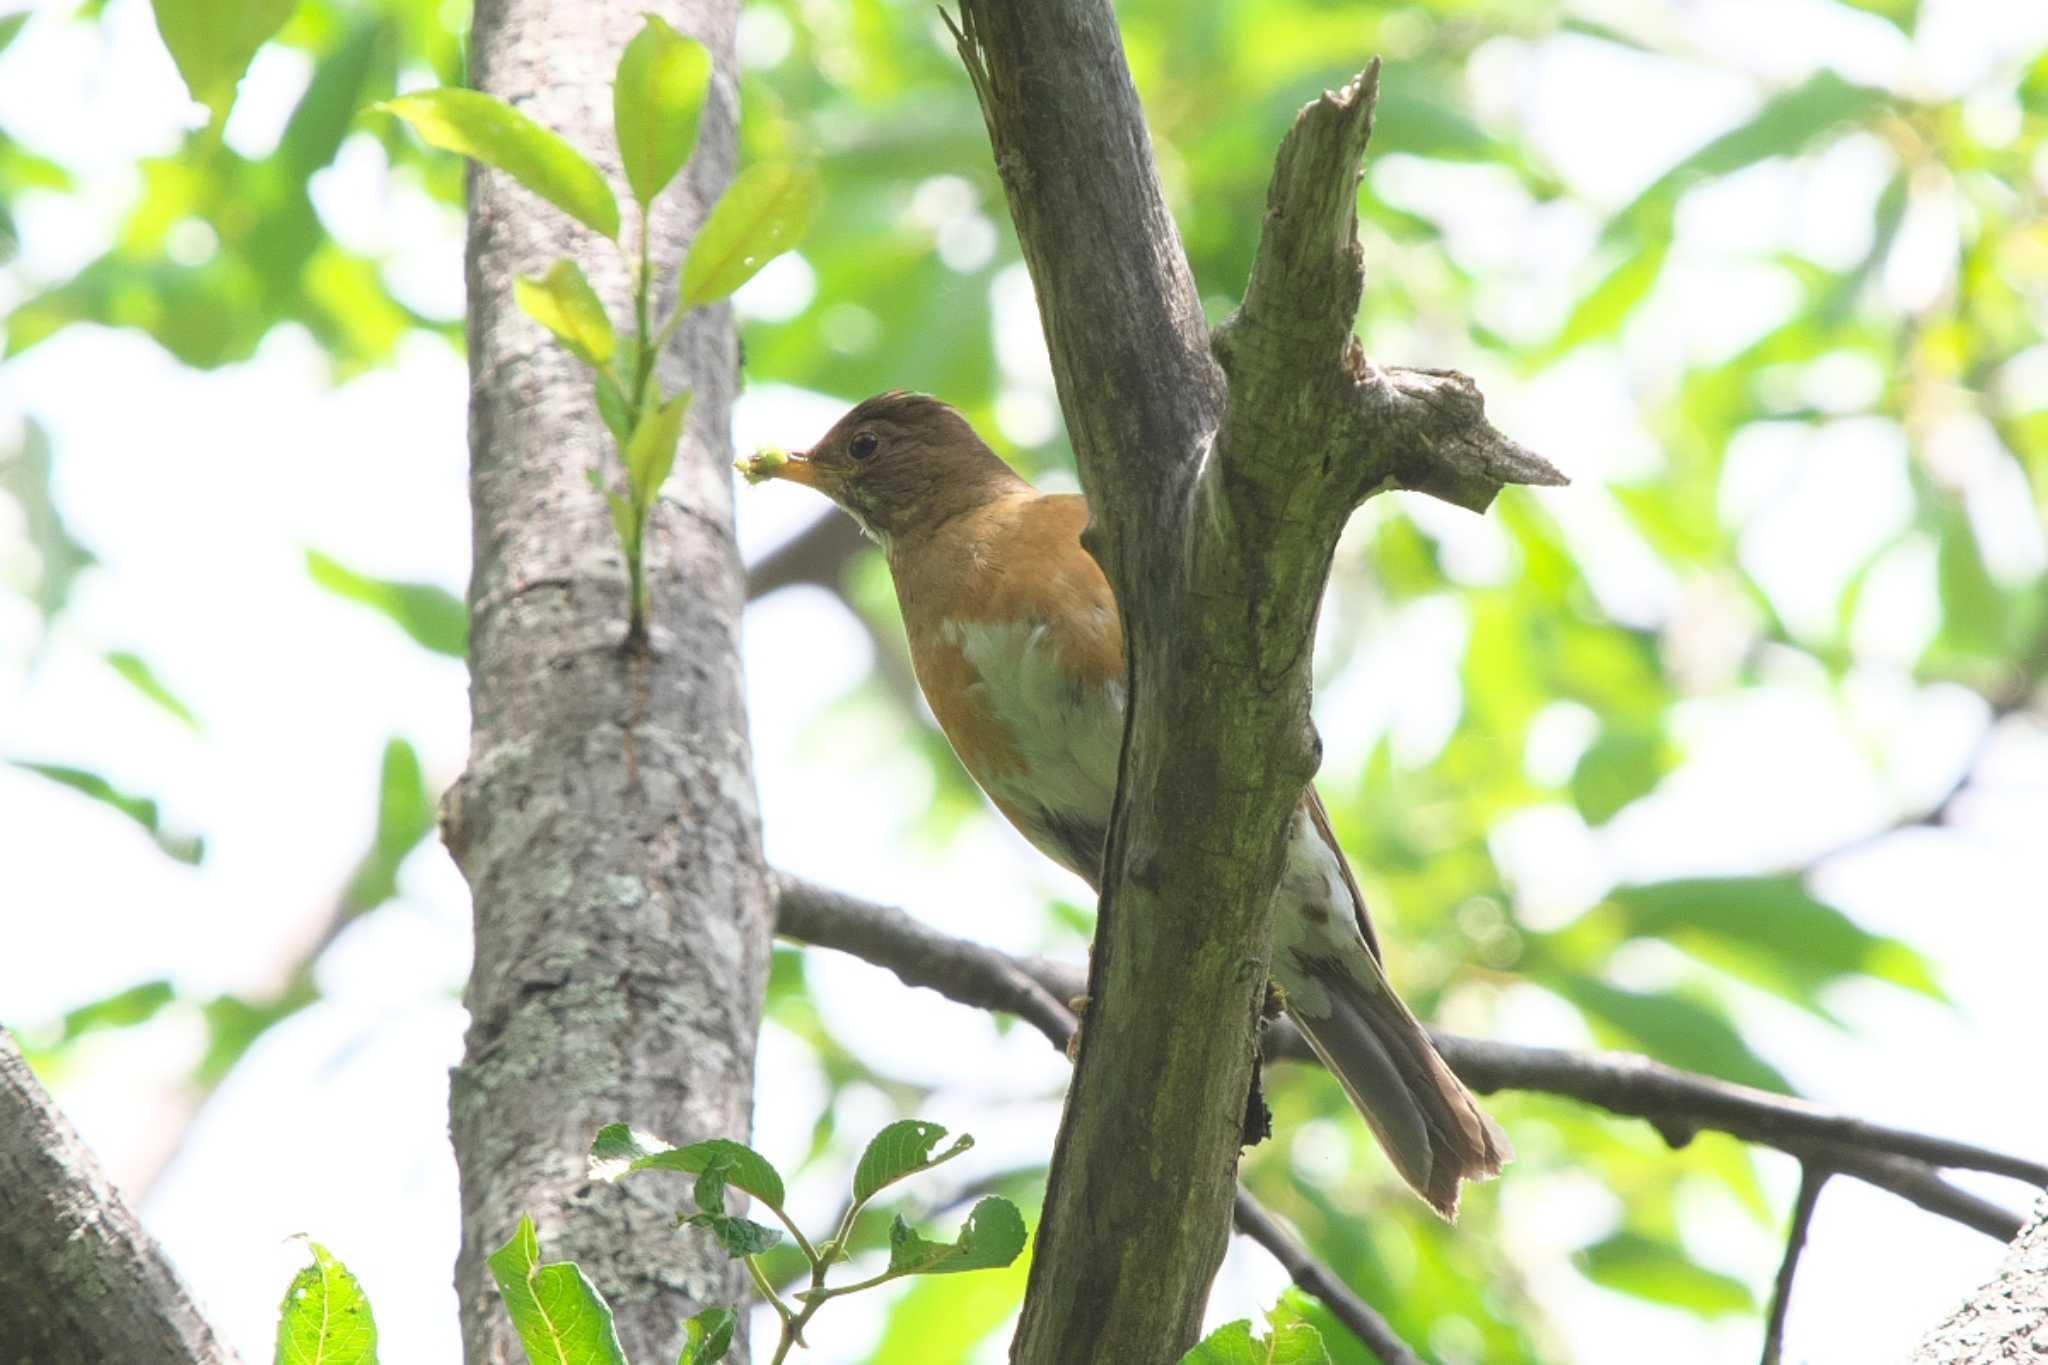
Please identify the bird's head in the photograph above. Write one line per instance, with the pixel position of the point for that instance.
(899, 463)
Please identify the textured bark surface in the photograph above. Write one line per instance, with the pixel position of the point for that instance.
(80, 1282)
(1218, 491)
(2006, 1320)
(607, 821)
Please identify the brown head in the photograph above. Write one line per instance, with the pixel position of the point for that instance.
(901, 463)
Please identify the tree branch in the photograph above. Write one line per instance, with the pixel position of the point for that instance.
(2006, 1320)
(1811, 1178)
(817, 554)
(80, 1281)
(1217, 492)
(1677, 1103)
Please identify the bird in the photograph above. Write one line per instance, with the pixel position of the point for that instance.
(1017, 643)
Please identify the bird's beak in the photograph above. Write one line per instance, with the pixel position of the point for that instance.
(771, 463)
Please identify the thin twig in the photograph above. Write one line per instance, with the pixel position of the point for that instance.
(1312, 1276)
(1811, 1178)
(1677, 1103)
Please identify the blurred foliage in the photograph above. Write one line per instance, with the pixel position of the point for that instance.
(1572, 676)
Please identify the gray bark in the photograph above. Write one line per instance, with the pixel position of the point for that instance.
(2006, 1320)
(80, 1282)
(1219, 474)
(606, 822)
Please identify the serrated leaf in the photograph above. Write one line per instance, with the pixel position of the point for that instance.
(993, 1236)
(185, 848)
(213, 41)
(325, 1318)
(563, 302)
(739, 1236)
(139, 675)
(559, 1315)
(708, 1336)
(657, 100)
(651, 450)
(1296, 1343)
(1651, 1270)
(901, 1149)
(762, 215)
(619, 1151)
(486, 129)
(1230, 1344)
(431, 615)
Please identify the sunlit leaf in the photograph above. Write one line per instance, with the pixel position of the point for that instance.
(563, 302)
(124, 1009)
(651, 451)
(760, 216)
(485, 128)
(212, 42)
(656, 102)
(432, 615)
(186, 848)
(405, 816)
(139, 675)
(325, 1318)
(560, 1316)
(1624, 763)
(1673, 1028)
(25, 477)
(1650, 1269)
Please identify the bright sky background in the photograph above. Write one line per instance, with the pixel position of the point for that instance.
(201, 492)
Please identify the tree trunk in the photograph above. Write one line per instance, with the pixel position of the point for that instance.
(607, 821)
(2006, 1320)
(80, 1281)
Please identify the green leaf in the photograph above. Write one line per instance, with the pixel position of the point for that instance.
(432, 615)
(901, 1149)
(186, 848)
(25, 477)
(1230, 1344)
(1974, 612)
(739, 1236)
(326, 112)
(993, 1236)
(563, 302)
(619, 1151)
(1650, 1269)
(212, 42)
(1296, 1343)
(405, 816)
(325, 1318)
(708, 1336)
(560, 1316)
(1601, 310)
(1787, 123)
(656, 102)
(1673, 1028)
(651, 451)
(613, 408)
(143, 679)
(485, 128)
(1624, 762)
(761, 216)
(124, 1009)
(1769, 930)
(624, 524)
(10, 26)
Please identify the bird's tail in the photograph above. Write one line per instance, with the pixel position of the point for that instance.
(1430, 1125)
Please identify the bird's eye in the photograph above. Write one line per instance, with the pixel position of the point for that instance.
(862, 445)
